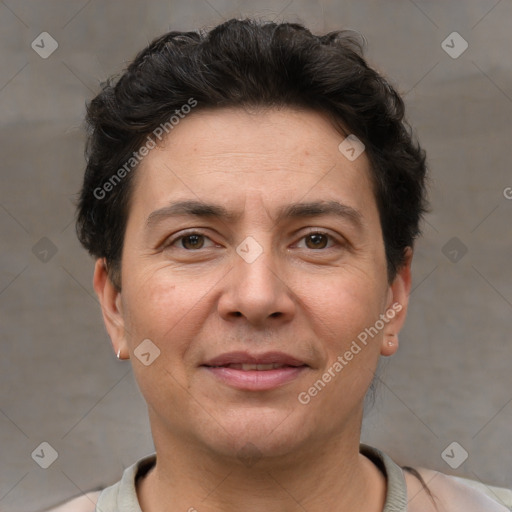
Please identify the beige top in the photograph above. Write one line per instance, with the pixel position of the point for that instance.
(122, 496)
(404, 492)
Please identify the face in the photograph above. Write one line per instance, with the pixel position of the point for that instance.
(254, 263)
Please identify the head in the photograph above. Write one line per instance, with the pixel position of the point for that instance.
(252, 189)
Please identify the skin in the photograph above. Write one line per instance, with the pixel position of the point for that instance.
(311, 301)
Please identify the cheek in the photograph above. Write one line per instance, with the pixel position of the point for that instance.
(166, 309)
(161, 306)
(343, 315)
(343, 305)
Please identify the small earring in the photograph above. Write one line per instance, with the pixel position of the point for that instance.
(119, 354)
(391, 341)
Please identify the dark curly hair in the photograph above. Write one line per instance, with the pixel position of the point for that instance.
(248, 63)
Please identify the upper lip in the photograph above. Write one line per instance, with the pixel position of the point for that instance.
(246, 358)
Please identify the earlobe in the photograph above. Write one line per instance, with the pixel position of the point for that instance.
(389, 345)
(110, 301)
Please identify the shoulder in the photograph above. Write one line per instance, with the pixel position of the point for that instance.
(452, 494)
(85, 503)
(109, 495)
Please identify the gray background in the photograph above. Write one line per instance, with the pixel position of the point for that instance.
(60, 381)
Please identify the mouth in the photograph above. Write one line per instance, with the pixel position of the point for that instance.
(246, 367)
(255, 372)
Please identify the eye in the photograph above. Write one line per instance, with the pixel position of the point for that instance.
(318, 240)
(189, 241)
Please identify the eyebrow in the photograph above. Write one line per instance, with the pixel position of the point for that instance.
(201, 209)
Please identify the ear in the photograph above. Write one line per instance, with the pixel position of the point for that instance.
(396, 307)
(110, 301)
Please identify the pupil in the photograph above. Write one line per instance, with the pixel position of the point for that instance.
(193, 240)
(317, 240)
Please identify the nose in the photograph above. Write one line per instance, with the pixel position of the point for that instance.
(257, 290)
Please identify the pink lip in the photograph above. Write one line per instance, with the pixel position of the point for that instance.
(245, 357)
(255, 380)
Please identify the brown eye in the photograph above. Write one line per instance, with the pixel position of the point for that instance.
(193, 241)
(317, 241)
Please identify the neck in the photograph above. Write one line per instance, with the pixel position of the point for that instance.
(330, 475)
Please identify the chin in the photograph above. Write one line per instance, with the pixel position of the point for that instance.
(253, 434)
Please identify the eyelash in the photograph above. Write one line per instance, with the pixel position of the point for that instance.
(171, 242)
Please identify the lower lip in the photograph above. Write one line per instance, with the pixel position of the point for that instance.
(256, 380)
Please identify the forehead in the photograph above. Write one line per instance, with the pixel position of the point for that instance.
(270, 157)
